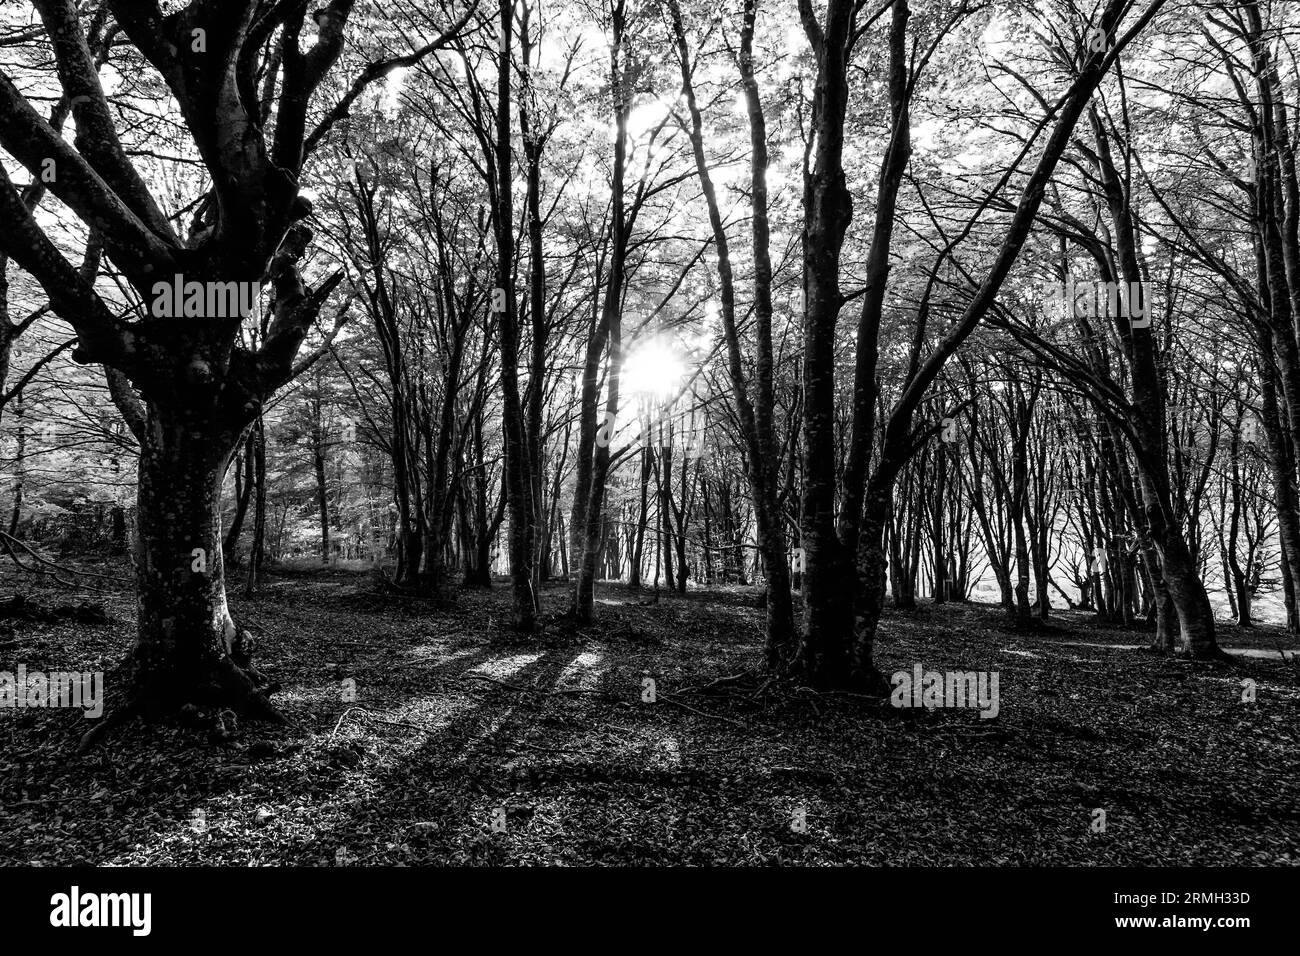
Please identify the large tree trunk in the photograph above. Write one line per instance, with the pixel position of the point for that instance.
(1162, 603)
(202, 383)
(1178, 565)
(822, 656)
(1190, 600)
(189, 649)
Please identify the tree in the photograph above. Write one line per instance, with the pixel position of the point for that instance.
(193, 387)
(844, 547)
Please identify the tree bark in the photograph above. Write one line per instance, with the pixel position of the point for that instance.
(518, 467)
(189, 649)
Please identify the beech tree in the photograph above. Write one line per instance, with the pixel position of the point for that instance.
(516, 243)
(243, 75)
(754, 401)
(844, 546)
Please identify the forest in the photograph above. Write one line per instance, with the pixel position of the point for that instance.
(649, 432)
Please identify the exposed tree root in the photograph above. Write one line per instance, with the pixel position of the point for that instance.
(370, 715)
(115, 718)
(1216, 655)
(715, 685)
(422, 590)
(229, 688)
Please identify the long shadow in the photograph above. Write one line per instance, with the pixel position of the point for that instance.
(458, 763)
(217, 779)
(125, 806)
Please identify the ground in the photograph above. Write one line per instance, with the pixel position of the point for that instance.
(463, 746)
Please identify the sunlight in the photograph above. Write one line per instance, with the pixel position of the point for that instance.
(653, 370)
(668, 754)
(582, 672)
(391, 98)
(506, 666)
(646, 116)
(794, 38)
(556, 391)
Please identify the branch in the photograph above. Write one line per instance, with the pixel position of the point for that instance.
(302, 74)
(103, 337)
(96, 138)
(31, 140)
(816, 38)
(8, 396)
(128, 402)
(295, 311)
(7, 542)
(340, 320)
(378, 70)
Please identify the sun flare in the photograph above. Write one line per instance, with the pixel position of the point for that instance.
(653, 370)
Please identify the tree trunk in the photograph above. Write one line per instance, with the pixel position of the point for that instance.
(20, 470)
(243, 495)
(937, 539)
(322, 496)
(593, 471)
(1019, 420)
(257, 553)
(755, 408)
(118, 536)
(823, 653)
(518, 473)
(189, 649)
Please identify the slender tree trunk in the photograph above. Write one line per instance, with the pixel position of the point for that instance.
(322, 495)
(609, 329)
(1019, 420)
(937, 539)
(20, 468)
(257, 553)
(243, 495)
(518, 473)
(753, 405)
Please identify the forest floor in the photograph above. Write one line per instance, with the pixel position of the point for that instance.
(464, 747)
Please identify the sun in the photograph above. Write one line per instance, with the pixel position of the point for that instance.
(653, 370)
